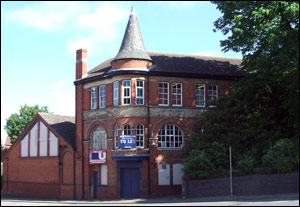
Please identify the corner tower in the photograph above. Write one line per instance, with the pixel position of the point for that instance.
(132, 53)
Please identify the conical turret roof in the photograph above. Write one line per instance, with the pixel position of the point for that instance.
(132, 46)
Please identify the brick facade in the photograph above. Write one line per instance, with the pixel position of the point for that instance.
(165, 128)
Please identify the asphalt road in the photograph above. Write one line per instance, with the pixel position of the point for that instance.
(262, 200)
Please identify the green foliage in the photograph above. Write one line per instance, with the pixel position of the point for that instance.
(16, 123)
(263, 107)
(245, 165)
(198, 165)
(281, 157)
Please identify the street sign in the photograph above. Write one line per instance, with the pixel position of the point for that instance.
(127, 141)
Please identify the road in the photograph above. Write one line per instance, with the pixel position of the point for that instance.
(264, 200)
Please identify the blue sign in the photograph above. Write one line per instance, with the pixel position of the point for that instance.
(127, 141)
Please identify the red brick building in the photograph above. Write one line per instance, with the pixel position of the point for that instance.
(134, 113)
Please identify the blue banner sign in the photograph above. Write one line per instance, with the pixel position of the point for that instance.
(127, 141)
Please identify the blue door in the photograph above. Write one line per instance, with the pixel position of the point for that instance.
(95, 183)
(130, 182)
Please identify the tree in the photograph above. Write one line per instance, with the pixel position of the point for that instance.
(267, 34)
(16, 123)
(263, 107)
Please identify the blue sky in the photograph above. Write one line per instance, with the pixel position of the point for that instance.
(39, 40)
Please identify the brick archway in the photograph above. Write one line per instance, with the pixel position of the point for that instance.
(165, 121)
(95, 124)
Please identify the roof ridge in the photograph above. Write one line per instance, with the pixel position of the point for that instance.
(191, 55)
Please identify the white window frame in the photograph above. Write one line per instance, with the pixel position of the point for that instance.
(136, 92)
(116, 136)
(102, 96)
(93, 98)
(163, 93)
(176, 94)
(164, 137)
(199, 95)
(212, 95)
(123, 92)
(116, 93)
(138, 135)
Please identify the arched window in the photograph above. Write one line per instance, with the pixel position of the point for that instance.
(170, 136)
(140, 135)
(127, 129)
(116, 135)
(98, 139)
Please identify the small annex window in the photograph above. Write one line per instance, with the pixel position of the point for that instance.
(43, 139)
(140, 134)
(200, 95)
(98, 139)
(102, 96)
(24, 146)
(212, 93)
(176, 94)
(163, 93)
(93, 97)
(170, 136)
(139, 84)
(33, 141)
(126, 84)
(116, 93)
(53, 144)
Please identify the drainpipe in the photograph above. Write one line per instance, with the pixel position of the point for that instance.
(148, 134)
(74, 173)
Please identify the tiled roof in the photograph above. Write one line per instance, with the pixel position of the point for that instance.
(183, 64)
(63, 125)
(132, 46)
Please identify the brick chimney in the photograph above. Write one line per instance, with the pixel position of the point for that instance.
(81, 63)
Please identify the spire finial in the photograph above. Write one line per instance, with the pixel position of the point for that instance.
(133, 11)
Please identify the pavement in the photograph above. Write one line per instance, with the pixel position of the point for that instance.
(164, 200)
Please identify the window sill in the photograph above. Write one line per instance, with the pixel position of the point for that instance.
(130, 150)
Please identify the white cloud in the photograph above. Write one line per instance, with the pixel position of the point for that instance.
(214, 53)
(92, 26)
(177, 4)
(46, 16)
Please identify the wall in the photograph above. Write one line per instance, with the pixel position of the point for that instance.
(244, 185)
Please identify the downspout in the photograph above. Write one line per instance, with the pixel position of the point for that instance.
(148, 134)
(74, 173)
(82, 143)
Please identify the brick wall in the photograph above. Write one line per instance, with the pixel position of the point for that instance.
(244, 185)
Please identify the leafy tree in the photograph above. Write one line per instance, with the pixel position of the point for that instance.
(263, 107)
(16, 123)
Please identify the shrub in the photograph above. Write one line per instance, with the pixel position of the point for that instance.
(281, 157)
(245, 166)
(198, 165)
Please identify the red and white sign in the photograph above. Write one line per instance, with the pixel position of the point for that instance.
(97, 157)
